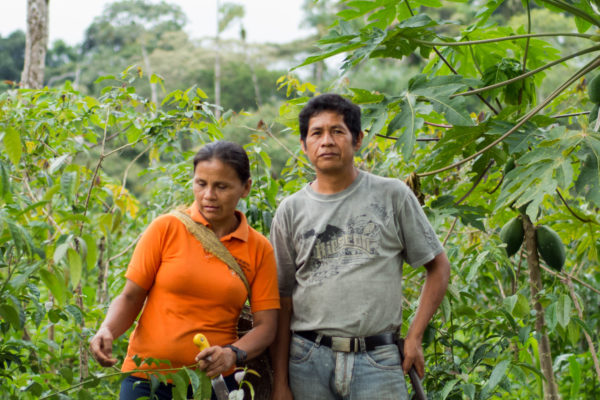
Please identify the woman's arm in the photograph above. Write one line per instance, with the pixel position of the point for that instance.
(121, 314)
(215, 360)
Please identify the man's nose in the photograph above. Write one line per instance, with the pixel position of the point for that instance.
(327, 139)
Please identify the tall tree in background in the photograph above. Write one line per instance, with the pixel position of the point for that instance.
(36, 44)
(226, 13)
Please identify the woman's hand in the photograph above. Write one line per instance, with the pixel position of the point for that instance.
(216, 360)
(101, 347)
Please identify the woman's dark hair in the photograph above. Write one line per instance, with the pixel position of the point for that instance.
(331, 102)
(229, 153)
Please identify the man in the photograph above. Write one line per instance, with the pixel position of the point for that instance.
(340, 243)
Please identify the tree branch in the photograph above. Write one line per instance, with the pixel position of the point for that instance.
(589, 67)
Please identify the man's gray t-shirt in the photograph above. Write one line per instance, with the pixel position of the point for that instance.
(340, 256)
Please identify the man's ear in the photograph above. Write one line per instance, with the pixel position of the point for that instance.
(303, 145)
(359, 140)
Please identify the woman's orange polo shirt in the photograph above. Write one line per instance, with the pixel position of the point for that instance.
(192, 291)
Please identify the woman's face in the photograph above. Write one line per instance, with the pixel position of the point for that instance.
(217, 190)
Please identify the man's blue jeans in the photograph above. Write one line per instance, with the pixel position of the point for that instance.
(317, 372)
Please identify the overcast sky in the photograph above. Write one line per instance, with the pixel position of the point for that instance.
(265, 21)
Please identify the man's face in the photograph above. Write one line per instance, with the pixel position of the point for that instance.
(328, 143)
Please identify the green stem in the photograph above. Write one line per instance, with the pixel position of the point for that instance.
(82, 383)
(500, 39)
(573, 10)
(524, 63)
(589, 67)
(530, 73)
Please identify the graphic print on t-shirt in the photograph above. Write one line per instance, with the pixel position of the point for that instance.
(338, 248)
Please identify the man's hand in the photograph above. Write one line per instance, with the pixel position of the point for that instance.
(413, 355)
(101, 347)
(216, 360)
(281, 392)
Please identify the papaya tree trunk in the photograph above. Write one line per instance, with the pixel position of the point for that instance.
(535, 281)
(36, 44)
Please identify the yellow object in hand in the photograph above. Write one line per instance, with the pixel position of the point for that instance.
(201, 341)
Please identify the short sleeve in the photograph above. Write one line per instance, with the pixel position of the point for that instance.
(265, 294)
(285, 254)
(421, 244)
(147, 255)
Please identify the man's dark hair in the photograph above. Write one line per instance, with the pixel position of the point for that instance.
(331, 102)
(229, 153)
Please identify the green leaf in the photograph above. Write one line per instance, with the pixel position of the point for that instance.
(180, 385)
(11, 315)
(588, 181)
(497, 374)
(67, 373)
(194, 380)
(56, 163)
(575, 370)
(448, 388)
(60, 252)
(55, 283)
(551, 319)
(68, 185)
(408, 123)
(91, 256)
(75, 312)
(4, 181)
(563, 310)
(12, 144)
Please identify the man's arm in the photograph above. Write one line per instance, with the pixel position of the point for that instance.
(436, 283)
(279, 351)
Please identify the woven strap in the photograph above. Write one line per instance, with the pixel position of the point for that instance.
(212, 244)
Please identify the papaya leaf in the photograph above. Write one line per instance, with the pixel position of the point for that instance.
(588, 181)
(407, 122)
(437, 91)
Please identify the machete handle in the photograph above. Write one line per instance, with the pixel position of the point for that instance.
(412, 373)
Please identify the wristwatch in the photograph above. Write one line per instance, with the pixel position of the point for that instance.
(240, 355)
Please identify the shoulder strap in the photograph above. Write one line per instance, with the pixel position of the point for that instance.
(212, 244)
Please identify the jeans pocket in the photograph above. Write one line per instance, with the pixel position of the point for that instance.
(300, 349)
(385, 357)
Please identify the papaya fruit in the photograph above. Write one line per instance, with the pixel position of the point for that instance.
(512, 234)
(594, 89)
(550, 247)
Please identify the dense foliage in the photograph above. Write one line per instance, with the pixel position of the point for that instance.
(477, 149)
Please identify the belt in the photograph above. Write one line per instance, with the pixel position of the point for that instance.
(348, 344)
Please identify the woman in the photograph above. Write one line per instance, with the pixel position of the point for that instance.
(185, 289)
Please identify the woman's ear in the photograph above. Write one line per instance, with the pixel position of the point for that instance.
(247, 187)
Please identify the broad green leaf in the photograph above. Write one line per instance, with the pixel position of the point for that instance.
(4, 180)
(56, 163)
(588, 181)
(11, 315)
(68, 183)
(180, 386)
(12, 144)
(91, 256)
(448, 388)
(497, 374)
(563, 310)
(575, 370)
(573, 333)
(60, 252)
(55, 282)
(75, 312)
(75, 267)
(551, 317)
